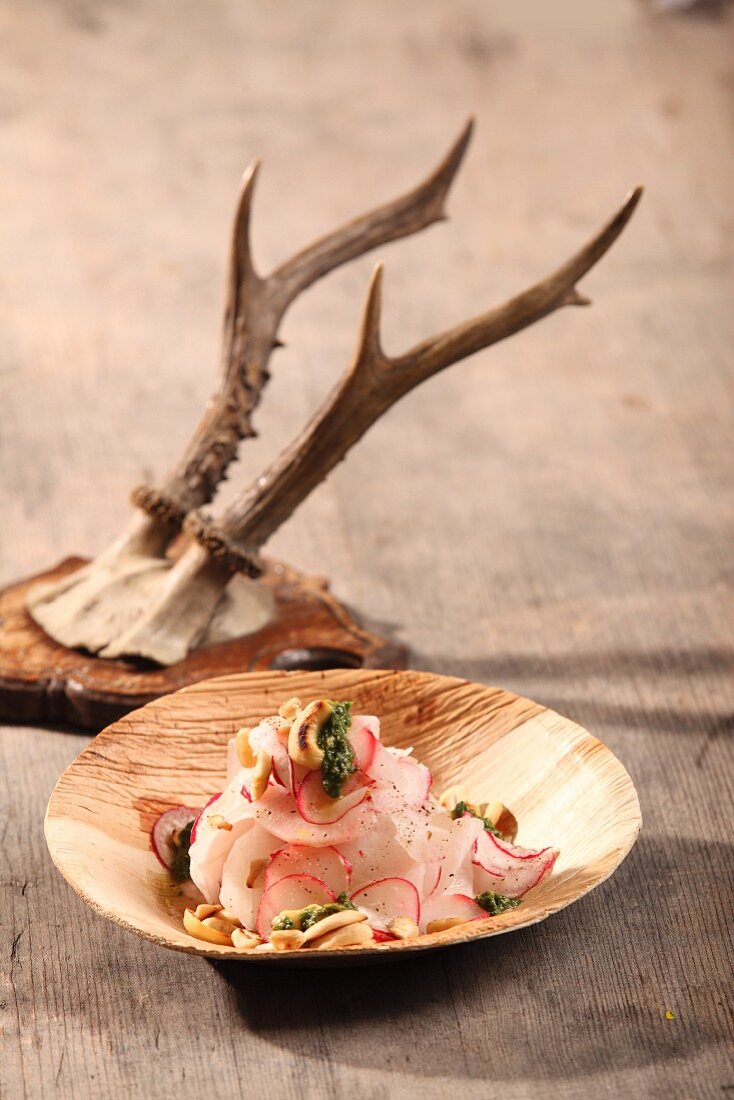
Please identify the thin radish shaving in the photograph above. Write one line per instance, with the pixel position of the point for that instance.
(364, 736)
(315, 806)
(450, 905)
(508, 869)
(292, 892)
(386, 899)
(326, 864)
(164, 830)
(278, 813)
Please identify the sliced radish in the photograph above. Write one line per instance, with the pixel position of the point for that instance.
(292, 892)
(161, 836)
(386, 899)
(508, 869)
(326, 864)
(195, 826)
(233, 759)
(315, 805)
(382, 937)
(457, 873)
(254, 844)
(450, 905)
(277, 812)
(407, 781)
(363, 735)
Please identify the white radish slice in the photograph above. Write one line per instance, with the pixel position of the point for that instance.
(210, 845)
(326, 864)
(264, 730)
(386, 899)
(195, 826)
(446, 906)
(235, 894)
(276, 811)
(161, 836)
(233, 759)
(315, 805)
(292, 892)
(508, 869)
(363, 736)
(377, 853)
(457, 873)
(408, 780)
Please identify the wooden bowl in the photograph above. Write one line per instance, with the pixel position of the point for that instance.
(565, 787)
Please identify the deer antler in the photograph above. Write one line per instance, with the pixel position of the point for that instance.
(92, 606)
(372, 383)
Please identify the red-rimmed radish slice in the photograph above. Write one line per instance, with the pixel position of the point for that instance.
(386, 899)
(276, 811)
(364, 735)
(402, 776)
(315, 805)
(432, 879)
(450, 905)
(326, 864)
(195, 826)
(292, 892)
(382, 937)
(254, 844)
(161, 836)
(508, 869)
(457, 872)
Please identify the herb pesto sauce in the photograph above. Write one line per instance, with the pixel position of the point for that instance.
(338, 763)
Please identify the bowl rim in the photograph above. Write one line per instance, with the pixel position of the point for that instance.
(465, 933)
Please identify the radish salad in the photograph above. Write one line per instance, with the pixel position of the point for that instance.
(326, 838)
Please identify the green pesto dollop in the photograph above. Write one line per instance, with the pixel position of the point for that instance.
(338, 763)
(462, 808)
(494, 904)
(312, 914)
(180, 868)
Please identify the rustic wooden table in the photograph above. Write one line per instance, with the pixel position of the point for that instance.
(554, 516)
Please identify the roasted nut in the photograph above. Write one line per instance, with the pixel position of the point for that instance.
(451, 796)
(444, 923)
(244, 940)
(257, 866)
(333, 921)
(245, 751)
(302, 740)
(503, 819)
(286, 939)
(216, 821)
(350, 935)
(230, 917)
(202, 931)
(218, 925)
(290, 708)
(403, 928)
(261, 774)
(202, 911)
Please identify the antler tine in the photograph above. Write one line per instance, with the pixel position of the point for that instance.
(372, 383)
(255, 308)
(417, 209)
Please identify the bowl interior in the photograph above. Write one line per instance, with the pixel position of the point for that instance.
(564, 786)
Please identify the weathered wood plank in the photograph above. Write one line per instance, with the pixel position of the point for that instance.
(560, 523)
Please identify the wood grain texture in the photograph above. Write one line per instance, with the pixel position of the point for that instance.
(579, 552)
(44, 681)
(566, 789)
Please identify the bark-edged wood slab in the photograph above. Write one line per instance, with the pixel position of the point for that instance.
(42, 681)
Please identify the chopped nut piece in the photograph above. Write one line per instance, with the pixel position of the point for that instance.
(257, 866)
(403, 928)
(334, 920)
(287, 939)
(290, 708)
(350, 935)
(451, 796)
(503, 819)
(202, 911)
(202, 931)
(216, 821)
(218, 925)
(444, 923)
(302, 740)
(244, 940)
(261, 774)
(230, 917)
(245, 752)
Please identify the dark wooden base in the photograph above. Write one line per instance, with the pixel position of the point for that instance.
(42, 681)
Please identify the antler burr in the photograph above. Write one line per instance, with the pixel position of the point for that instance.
(372, 383)
(91, 607)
